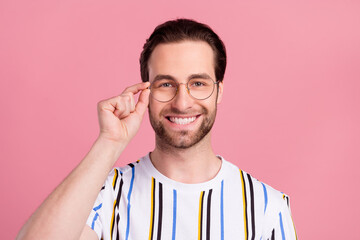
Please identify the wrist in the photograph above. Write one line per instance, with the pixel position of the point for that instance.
(111, 140)
(108, 144)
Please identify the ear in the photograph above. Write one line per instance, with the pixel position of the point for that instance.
(220, 91)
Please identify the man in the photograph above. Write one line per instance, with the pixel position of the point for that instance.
(180, 190)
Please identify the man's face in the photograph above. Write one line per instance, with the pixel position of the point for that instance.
(183, 121)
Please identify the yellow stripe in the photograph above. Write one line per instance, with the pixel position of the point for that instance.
(291, 219)
(115, 176)
(200, 210)
(152, 207)
(243, 191)
(294, 227)
(112, 219)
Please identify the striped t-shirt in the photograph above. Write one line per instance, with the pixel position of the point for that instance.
(138, 202)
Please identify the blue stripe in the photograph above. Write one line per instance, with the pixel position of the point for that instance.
(282, 227)
(96, 215)
(128, 207)
(97, 207)
(265, 196)
(222, 210)
(174, 215)
(93, 222)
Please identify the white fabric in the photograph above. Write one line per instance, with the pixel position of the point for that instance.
(212, 210)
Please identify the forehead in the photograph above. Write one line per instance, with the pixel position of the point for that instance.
(182, 59)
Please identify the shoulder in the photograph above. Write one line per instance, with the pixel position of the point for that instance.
(118, 174)
(270, 204)
(276, 199)
(273, 198)
(270, 198)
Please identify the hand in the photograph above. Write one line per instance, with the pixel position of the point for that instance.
(119, 117)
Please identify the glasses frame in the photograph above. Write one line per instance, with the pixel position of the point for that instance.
(187, 88)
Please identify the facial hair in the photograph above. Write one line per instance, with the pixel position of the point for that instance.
(183, 139)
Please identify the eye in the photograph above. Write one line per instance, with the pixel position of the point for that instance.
(166, 85)
(198, 84)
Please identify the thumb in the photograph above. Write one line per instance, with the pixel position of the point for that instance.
(143, 102)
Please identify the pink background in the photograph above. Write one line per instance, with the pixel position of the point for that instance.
(290, 114)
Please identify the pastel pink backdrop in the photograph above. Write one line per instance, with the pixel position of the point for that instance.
(290, 115)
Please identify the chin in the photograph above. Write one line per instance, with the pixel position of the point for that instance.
(182, 139)
(181, 142)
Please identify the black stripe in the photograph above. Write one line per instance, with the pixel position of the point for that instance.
(117, 224)
(252, 207)
(273, 234)
(287, 201)
(117, 175)
(201, 214)
(160, 211)
(131, 165)
(208, 217)
(152, 225)
(246, 215)
(118, 198)
(103, 187)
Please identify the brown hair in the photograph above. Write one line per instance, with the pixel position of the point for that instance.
(179, 30)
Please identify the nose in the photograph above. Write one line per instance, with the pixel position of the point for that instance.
(182, 100)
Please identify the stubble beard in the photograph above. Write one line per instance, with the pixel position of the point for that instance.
(183, 139)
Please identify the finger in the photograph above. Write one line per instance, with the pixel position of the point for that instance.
(132, 103)
(137, 87)
(143, 102)
(111, 105)
(124, 113)
(127, 102)
(119, 106)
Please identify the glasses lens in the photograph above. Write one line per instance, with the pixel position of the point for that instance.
(201, 88)
(163, 90)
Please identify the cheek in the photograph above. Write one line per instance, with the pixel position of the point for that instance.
(155, 108)
(213, 100)
(152, 104)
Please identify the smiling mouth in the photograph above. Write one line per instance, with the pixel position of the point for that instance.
(182, 120)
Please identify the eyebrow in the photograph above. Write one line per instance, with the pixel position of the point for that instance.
(162, 76)
(192, 76)
(199, 75)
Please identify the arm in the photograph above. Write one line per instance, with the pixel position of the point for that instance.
(88, 234)
(63, 214)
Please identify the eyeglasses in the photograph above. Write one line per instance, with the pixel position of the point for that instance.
(164, 90)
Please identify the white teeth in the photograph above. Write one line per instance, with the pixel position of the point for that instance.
(182, 121)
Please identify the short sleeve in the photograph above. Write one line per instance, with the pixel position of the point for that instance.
(94, 220)
(100, 215)
(282, 225)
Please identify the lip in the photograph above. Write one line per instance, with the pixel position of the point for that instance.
(183, 116)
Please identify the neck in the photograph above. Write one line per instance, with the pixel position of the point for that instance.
(195, 164)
